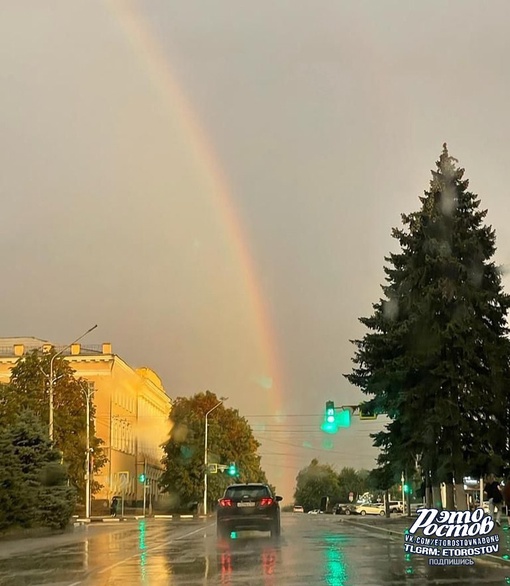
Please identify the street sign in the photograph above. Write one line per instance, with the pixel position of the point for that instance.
(123, 479)
(212, 468)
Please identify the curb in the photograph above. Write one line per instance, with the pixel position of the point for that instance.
(176, 517)
(84, 520)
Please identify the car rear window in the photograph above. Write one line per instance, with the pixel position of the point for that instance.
(253, 492)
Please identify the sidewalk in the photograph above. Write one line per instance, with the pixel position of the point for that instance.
(13, 544)
(395, 524)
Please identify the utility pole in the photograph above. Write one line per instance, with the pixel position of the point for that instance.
(144, 485)
(87, 456)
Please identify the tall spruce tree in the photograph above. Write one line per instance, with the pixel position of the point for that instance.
(436, 356)
(33, 483)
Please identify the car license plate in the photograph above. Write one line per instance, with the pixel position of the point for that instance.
(245, 504)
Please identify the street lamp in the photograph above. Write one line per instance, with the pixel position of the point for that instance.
(52, 381)
(222, 399)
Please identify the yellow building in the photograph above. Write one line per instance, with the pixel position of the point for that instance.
(132, 411)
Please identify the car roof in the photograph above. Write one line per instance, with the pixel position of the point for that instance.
(247, 484)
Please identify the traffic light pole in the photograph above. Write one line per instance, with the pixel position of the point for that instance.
(144, 485)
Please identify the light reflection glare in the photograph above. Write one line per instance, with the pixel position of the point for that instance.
(143, 547)
(86, 554)
(141, 538)
(268, 561)
(226, 568)
(234, 556)
(336, 568)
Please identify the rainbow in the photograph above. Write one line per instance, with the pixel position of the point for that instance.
(155, 63)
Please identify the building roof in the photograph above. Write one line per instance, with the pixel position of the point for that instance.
(32, 343)
(25, 340)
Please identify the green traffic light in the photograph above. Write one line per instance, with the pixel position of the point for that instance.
(141, 478)
(329, 425)
(232, 470)
(335, 418)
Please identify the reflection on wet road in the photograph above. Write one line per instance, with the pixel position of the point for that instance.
(320, 550)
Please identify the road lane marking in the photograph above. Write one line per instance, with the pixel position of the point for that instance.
(153, 548)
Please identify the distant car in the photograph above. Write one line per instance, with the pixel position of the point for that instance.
(248, 507)
(345, 510)
(396, 506)
(371, 509)
(315, 512)
(298, 509)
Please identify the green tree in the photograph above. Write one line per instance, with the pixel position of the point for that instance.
(349, 480)
(230, 439)
(29, 389)
(314, 482)
(33, 483)
(380, 480)
(435, 358)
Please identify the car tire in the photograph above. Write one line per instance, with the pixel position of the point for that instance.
(363, 513)
(275, 528)
(347, 512)
(382, 514)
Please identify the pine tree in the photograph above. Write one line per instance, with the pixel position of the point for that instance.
(33, 483)
(436, 355)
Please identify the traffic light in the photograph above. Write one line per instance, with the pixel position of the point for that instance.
(343, 418)
(407, 488)
(367, 412)
(141, 478)
(336, 417)
(329, 425)
(330, 412)
(232, 469)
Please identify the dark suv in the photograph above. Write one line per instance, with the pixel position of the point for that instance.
(248, 507)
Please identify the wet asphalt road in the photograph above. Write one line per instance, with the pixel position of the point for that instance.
(318, 550)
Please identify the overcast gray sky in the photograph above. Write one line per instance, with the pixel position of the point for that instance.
(324, 118)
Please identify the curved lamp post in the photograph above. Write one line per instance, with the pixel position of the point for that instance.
(205, 451)
(52, 381)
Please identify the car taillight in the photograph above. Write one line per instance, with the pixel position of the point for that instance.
(226, 503)
(266, 502)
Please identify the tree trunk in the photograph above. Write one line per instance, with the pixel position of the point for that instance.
(450, 500)
(436, 497)
(461, 501)
(428, 491)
